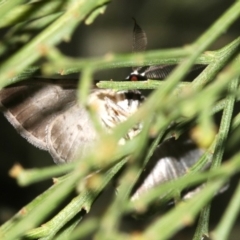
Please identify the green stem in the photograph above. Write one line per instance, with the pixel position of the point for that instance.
(83, 201)
(53, 34)
(223, 228)
(226, 121)
(7, 6)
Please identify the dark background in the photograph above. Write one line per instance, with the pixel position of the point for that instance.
(168, 24)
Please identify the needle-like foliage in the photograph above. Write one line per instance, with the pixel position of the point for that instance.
(37, 27)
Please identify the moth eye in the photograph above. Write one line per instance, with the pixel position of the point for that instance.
(137, 77)
(134, 78)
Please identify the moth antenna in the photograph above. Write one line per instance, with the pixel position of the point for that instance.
(139, 43)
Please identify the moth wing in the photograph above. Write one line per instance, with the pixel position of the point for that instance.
(31, 107)
(159, 72)
(70, 134)
(171, 160)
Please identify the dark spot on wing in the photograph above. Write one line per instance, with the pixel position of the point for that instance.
(79, 127)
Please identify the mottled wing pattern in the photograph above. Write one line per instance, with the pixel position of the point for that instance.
(70, 134)
(38, 109)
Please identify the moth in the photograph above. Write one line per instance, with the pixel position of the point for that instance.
(46, 112)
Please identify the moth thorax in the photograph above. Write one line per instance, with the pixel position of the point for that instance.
(113, 107)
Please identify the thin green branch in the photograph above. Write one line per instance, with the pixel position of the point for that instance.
(225, 125)
(26, 177)
(223, 229)
(82, 231)
(40, 211)
(61, 28)
(29, 12)
(7, 6)
(161, 105)
(183, 215)
(83, 201)
(222, 57)
(25, 210)
(148, 84)
(188, 180)
(67, 65)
